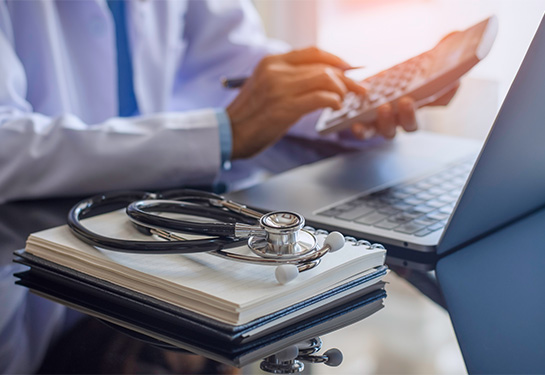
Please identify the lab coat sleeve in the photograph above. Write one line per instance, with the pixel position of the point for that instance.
(43, 156)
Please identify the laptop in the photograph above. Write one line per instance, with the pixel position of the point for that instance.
(424, 195)
(493, 293)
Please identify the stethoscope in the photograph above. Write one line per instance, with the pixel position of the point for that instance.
(277, 238)
(290, 360)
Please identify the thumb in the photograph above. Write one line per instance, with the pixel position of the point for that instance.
(313, 55)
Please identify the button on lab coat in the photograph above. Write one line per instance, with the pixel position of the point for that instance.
(59, 134)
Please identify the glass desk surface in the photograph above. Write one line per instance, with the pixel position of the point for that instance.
(412, 334)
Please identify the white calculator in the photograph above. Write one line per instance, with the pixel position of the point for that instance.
(425, 77)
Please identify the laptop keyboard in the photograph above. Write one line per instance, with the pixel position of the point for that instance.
(418, 208)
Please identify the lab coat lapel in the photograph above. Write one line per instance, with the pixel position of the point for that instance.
(157, 47)
(96, 58)
(68, 49)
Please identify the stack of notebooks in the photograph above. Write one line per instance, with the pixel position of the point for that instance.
(229, 311)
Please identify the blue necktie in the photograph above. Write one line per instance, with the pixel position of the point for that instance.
(125, 88)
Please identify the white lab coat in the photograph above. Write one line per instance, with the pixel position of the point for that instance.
(59, 135)
(58, 100)
(58, 96)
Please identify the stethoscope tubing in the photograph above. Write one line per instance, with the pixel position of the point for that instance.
(275, 241)
(89, 206)
(142, 212)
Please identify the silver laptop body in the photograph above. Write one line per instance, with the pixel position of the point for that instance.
(506, 178)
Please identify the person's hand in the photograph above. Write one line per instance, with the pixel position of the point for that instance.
(389, 119)
(282, 89)
(404, 116)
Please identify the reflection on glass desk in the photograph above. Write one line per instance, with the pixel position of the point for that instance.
(177, 330)
(411, 335)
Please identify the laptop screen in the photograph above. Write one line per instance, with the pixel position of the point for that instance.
(508, 179)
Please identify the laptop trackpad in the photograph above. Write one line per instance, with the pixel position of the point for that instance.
(308, 188)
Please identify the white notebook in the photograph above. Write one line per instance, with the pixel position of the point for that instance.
(230, 292)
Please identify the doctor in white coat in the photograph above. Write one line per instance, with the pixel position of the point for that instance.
(93, 100)
(60, 129)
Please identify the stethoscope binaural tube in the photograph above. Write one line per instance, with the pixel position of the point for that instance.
(142, 212)
(90, 206)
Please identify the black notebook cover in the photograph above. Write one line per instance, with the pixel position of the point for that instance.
(150, 323)
(180, 327)
(232, 332)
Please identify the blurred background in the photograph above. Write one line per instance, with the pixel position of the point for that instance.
(412, 334)
(381, 33)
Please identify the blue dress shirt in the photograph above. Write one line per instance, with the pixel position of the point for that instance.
(125, 90)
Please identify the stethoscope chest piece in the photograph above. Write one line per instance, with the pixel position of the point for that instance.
(283, 236)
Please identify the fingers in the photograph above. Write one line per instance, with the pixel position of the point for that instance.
(317, 99)
(404, 115)
(282, 89)
(363, 131)
(319, 76)
(305, 70)
(352, 85)
(388, 119)
(447, 97)
(407, 114)
(314, 55)
(319, 79)
(253, 132)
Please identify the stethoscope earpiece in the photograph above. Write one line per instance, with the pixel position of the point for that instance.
(286, 273)
(335, 241)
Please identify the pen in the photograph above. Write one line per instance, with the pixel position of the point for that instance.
(234, 83)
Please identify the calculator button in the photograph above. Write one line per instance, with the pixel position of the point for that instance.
(353, 113)
(389, 91)
(374, 97)
(335, 115)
